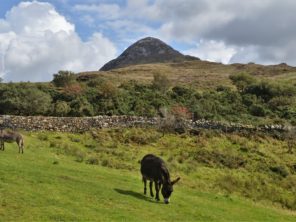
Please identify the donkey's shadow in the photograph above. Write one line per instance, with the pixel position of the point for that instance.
(135, 194)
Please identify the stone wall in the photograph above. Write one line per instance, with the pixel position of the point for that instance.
(73, 124)
(81, 124)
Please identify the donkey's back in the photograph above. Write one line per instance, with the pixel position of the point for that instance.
(151, 168)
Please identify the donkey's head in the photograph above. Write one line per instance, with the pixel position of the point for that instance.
(167, 189)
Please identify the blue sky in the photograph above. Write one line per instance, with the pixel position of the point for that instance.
(38, 38)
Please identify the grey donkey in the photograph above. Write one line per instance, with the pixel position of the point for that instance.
(10, 137)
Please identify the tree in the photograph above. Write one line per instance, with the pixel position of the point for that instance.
(64, 78)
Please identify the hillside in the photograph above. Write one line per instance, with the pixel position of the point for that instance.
(95, 176)
(241, 93)
(202, 74)
(248, 94)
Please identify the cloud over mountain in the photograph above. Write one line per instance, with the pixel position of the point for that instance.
(262, 31)
(241, 31)
(36, 41)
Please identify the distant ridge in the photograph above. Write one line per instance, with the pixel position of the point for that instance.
(144, 51)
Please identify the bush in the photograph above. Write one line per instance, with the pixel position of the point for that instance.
(161, 82)
(93, 160)
(174, 120)
(258, 110)
(42, 137)
(81, 107)
(64, 78)
(79, 156)
(280, 170)
(242, 80)
(61, 108)
(24, 99)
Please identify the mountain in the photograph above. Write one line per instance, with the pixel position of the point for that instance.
(145, 51)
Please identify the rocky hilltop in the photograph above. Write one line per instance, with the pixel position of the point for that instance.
(145, 51)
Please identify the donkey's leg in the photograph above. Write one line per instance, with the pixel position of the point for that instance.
(151, 191)
(145, 184)
(22, 145)
(19, 146)
(157, 190)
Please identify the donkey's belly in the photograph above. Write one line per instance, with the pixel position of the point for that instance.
(151, 178)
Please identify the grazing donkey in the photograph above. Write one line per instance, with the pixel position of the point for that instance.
(8, 136)
(153, 169)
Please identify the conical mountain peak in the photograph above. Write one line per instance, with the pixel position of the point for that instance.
(144, 51)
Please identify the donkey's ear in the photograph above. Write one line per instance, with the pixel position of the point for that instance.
(176, 180)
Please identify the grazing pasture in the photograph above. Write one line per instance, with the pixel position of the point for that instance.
(95, 177)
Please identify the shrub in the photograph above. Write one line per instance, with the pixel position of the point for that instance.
(73, 89)
(242, 80)
(81, 107)
(258, 110)
(280, 170)
(174, 120)
(79, 156)
(64, 78)
(24, 99)
(161, 82)
(92, 160)
(42, 137)
(61, 108)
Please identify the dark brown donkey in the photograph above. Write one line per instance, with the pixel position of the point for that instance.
(10, 136)
(154, 169)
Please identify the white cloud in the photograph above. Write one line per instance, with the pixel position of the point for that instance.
(213, 51)
(128, 21)
(261, 31)
(36, 41)
(106, 11)
(32, 18)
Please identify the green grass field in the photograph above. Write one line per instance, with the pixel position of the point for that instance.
(93, 177)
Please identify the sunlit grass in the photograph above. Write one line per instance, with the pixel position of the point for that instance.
(55, 181)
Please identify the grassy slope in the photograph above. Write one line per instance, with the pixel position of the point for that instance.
(46, 185)
(201, 74)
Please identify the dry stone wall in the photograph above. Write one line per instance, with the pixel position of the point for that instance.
(72, 124)
(81, 124)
